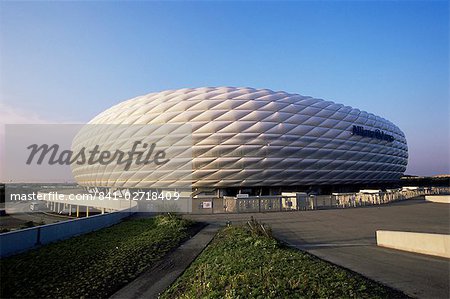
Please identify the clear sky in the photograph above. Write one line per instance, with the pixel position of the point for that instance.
(68, 61)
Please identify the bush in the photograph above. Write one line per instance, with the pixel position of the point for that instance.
(28, 224)
(259, 229)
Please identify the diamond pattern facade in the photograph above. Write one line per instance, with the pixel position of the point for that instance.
(258, 137)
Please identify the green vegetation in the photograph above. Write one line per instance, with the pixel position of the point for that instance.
(93, 265)
(8, 224)
(246, 262)
(29, 224)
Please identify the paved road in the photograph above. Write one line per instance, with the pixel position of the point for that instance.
(346, 237)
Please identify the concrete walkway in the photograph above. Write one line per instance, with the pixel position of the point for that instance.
(346, 237)
(160, 276)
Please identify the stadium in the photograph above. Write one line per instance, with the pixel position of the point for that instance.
(259, 140)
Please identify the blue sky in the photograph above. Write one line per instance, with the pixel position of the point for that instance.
(68, 61)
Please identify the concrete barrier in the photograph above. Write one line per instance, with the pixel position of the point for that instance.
(438, 198)
(425, 243)
(25, 239)
(18, 241)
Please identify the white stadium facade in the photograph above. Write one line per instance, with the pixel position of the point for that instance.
(259, 138)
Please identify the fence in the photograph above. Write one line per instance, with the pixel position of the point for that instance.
(25, 239)
(301, 201)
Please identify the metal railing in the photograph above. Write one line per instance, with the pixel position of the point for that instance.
(301, 202)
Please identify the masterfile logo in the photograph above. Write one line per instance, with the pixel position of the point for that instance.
(96, 155)
(105, 154)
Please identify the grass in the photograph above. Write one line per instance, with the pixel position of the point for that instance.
(246, 262)
(93, 265)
